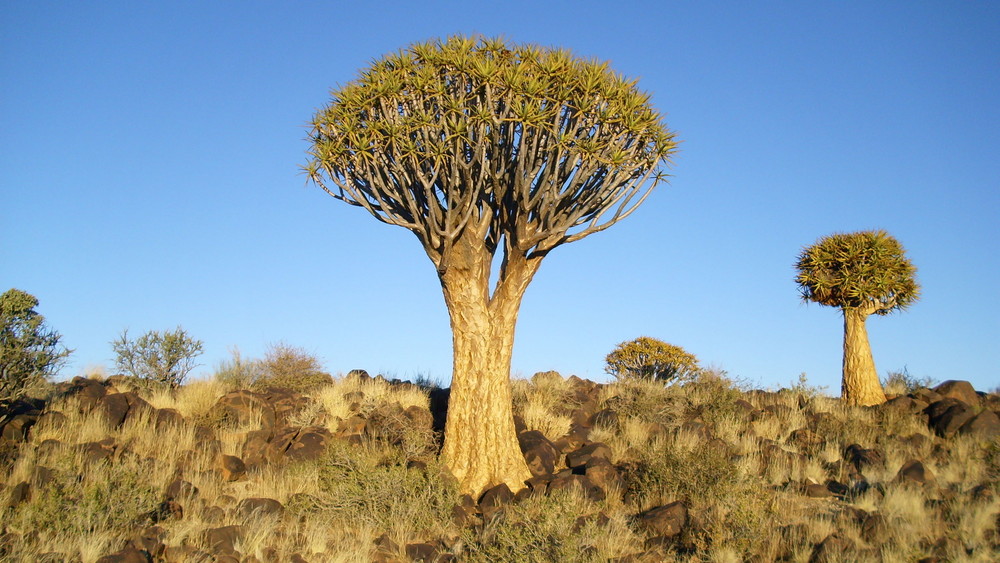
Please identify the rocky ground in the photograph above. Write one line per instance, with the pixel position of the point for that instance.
(109, 471)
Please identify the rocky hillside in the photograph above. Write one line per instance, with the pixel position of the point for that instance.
(112, 471)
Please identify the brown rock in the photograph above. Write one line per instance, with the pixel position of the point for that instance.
(223, 540)
(668, 520)
(985, 425)
(421, 552)
(862, 458)
(961, 390)
(180, 489)
(127, 555)
(232, 468)
(913, 471)
(806, 439)
(309, 443)
(255, 507)
(539, 452)
(255, 447)
(113, 409)
(16, 429)
(580, 457)
(946, 416)
(243, 406)
(602, 474)
(165, 418)
(569, 481)
(832, 548)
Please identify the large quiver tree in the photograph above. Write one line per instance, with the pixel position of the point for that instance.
(479, 147)
(862, 273)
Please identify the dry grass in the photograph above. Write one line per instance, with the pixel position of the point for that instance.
(738, 472)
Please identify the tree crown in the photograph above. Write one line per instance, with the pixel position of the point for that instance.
(866, 270)
(30, 351)
(650, 358)
(535, 145)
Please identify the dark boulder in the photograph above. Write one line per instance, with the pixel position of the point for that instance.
(668, 520)
(539, 452)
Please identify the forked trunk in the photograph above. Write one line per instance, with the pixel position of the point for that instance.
(480, 442)
(860, 384)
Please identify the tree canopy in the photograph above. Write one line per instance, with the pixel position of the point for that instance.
(535, 145)
(866, 270)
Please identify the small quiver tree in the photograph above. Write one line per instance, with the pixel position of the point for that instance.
(481, 148)
(30, 351)
(650, 358)
(862, 273)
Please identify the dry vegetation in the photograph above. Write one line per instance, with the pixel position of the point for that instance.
(643, 471)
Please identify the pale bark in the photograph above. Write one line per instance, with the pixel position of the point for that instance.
(481, 447)
(860, 384)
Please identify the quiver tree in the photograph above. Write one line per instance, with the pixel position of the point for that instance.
(862, 273)
(483, 149)
(649, 358)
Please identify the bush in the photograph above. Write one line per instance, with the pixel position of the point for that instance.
(29, 351)
(650, 358)
(900, 382)
(238, 373)
(166, 357)
(293, 368)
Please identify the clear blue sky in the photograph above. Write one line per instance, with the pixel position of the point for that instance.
(149, 158)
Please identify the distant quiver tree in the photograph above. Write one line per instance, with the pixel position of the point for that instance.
(649, 358)
(479, 147)
(862, 273)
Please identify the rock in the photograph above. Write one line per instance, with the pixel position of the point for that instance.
(256, 507)
(985, 425)
(904, 404)
(816, 490)
(19, 493)
(806, 439)
(223, 540)
(51, 419)
(113, 409)
(946, 416)
(494, 497)
(875, 529)
(602, 474)
(539, 452)
(832, 548)
(166, 418)
(231, 468)
(862, 458)
(255, 447)
(419, 417)
(913, 471)
(961, 390)
(96, 452)
(180, 489)
(243, 407)
(606, 419)
(16, 429)
(668, 520)
(421, 552)
(570, 481)
(127, 555)
(309, 443)
(580, 457)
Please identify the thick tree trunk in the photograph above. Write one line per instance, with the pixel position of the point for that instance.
(480, 443)
(860, 384)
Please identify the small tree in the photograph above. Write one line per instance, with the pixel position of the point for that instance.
(293, 368)
(483, 149)
(30, 351)
(166, 357)
(650, 358)
(862, 273)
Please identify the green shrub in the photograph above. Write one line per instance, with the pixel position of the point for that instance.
(900, 382)
(292, 368)
(240, 373)
(30, 352)
(166, 357)
(359, 485)
(650, 358)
